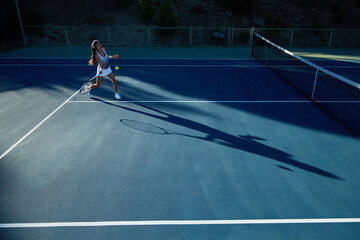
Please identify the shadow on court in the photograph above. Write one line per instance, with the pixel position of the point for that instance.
(244, 143)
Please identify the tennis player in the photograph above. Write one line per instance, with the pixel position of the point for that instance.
(98, 54)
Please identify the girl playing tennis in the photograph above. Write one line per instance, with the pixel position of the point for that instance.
(98, 54)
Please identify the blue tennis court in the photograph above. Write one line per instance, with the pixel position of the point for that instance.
(195, 149)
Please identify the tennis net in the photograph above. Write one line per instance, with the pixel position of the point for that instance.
(338, 96)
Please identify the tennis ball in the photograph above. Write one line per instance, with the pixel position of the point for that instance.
(116, 68)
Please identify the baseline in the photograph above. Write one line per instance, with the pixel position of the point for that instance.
(180, 222)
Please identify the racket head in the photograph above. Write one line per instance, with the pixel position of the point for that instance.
(86, 88)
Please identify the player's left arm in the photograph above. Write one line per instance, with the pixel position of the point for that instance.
(114, 56)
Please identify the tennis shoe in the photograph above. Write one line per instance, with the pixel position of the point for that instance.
(117, 96)
(88, 93)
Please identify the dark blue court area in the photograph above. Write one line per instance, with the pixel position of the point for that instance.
(195, 149)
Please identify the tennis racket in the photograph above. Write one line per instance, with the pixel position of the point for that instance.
(87, 86)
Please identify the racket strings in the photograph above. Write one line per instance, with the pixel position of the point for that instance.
(86, 88)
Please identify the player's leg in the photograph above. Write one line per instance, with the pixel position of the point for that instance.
(113, 80)
(98, 82)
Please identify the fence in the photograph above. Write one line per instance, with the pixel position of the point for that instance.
(317, 38)
(189, 36)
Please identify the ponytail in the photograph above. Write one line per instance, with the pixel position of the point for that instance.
(93, 52)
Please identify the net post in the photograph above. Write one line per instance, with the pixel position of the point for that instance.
(330, 40)
(229, 36)
(190, 36)
(232, 37)
(20, 21)
(67, 37)
(291, 37)
(251, 40)
(313, 90)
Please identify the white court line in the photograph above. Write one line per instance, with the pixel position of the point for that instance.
(194, 101)
(2, 57)
(190, 101)
(39, 124)
(337, 101)
(164, 65)
(180, 222)
(130, 65)
(169, 101)
(285, 66)
(121, 59)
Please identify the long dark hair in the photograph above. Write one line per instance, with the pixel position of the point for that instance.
(93, 52)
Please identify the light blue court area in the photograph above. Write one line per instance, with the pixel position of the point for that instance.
(195, 149)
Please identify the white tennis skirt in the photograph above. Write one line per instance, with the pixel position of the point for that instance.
(105, 72)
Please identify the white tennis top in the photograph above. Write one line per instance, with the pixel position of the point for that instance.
(104, 60)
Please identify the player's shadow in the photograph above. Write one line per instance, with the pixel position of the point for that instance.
(245, 143)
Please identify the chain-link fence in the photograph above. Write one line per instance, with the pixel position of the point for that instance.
(314, 38)
(132, 36)
(190, 36)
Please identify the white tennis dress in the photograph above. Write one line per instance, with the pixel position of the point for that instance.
(105, 62)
